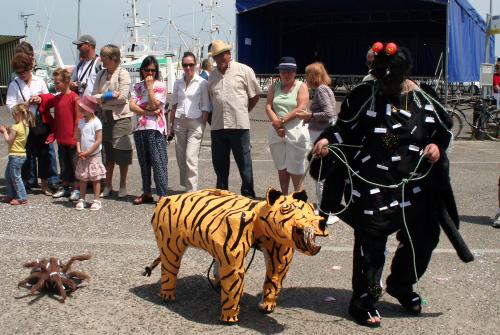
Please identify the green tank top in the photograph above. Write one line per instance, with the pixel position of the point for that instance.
(284, 103)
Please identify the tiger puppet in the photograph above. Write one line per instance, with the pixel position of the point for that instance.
(227, 226)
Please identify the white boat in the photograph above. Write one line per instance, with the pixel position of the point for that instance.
(137, 48)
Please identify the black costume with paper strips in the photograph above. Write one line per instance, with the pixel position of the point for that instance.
(382, 138)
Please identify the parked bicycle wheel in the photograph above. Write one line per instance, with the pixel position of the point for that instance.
(492, 125)
(458, 124)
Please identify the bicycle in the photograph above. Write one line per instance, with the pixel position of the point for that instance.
(486, 118)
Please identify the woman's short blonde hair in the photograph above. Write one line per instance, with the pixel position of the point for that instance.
(112, 52)
(316, 75)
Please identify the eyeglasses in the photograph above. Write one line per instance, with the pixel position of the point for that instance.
(188, 65)
(149, 70)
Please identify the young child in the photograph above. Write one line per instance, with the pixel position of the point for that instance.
(16, 138)
(88, 146)
(64, 126)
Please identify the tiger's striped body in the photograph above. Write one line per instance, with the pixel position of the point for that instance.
(227, 225)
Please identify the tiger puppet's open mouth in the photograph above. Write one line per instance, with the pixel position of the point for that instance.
(305, 239)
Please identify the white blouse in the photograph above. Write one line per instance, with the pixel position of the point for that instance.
(192, 100)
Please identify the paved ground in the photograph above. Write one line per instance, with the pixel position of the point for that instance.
(463, 298)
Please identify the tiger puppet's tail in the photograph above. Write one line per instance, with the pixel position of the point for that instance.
(148, 269)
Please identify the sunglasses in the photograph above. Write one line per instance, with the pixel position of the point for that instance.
(149, 70)
(188, 65)
(21, 72)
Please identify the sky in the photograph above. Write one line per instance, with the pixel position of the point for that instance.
(106, 20)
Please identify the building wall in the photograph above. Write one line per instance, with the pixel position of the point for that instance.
(6, 53)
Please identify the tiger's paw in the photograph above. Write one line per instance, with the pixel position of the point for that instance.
(167, 296)
(229, 319)
(267, 307)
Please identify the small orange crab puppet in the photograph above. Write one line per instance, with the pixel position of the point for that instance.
(52, 274)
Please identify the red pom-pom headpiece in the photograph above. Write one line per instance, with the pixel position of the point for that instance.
(390, 48)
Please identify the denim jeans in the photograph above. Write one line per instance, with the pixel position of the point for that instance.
(238, 141)
(13, 180)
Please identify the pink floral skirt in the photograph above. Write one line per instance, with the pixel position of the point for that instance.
(90, 169)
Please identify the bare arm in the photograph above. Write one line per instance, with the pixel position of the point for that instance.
(275, 121)
(9, 134)
(252, 102)
(78, 135)
(153, 103)
(171, 117)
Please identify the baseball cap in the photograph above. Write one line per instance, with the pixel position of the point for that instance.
(85, 39)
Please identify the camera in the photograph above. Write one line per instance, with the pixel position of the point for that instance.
(81, 87)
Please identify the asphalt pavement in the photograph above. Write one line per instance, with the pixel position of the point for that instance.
(462, 298)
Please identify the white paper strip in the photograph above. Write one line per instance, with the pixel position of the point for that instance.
(395, 158)
(414, 148)
(429, 107)
(388, 109)
(396, 126)
(416, 189)
(356, 193)
(380, 130)
(405, 113)
(338, 137)
(394, 203)
(375, 190)
(429, 119)
(368, 212)
(383, 208)
(413, 130)
(405, 204)
(366, 158)
(371, 113)
(382, 167)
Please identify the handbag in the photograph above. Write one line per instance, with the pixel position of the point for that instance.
(39, 128)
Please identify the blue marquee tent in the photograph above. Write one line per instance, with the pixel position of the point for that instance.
(339, 32)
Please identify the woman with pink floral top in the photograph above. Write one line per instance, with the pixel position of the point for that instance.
(147, 100)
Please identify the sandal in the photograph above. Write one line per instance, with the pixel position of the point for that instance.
(45, 188)
(364, 314)
(410, 301)
(143, 199)
(17, 202)
(96, 205)
(80, 205)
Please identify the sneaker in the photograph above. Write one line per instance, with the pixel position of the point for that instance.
(75, 195)
(495, 222)
(61, 193)
(80, 205)
(332, 219)
(96, 205)
(122, 193)
(106, 192)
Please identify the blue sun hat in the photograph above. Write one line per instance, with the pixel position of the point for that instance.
(287, 64)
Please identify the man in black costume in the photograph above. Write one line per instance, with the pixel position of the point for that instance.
(395, 136)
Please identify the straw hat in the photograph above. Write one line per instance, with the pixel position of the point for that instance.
(217, 47)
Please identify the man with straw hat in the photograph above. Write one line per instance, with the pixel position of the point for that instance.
(234, 92)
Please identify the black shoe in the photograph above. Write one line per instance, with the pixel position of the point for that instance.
(410, 301)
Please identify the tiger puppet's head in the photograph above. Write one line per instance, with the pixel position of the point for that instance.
(290, 220)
